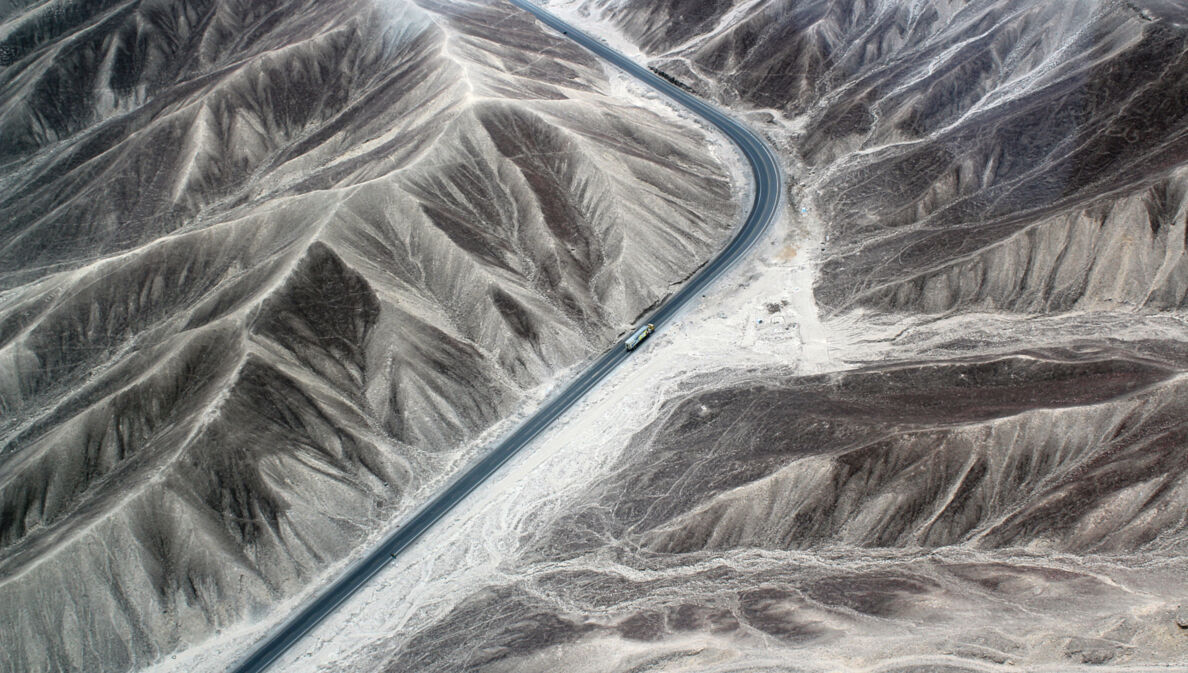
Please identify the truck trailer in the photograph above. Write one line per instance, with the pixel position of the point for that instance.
(639, 335)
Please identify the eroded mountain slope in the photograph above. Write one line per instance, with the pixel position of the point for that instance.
(964, 514)
(986, 155)
(266, 267)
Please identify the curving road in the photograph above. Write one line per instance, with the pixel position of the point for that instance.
(768, 184)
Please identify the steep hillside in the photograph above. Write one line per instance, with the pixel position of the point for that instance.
(988, 155)
(267, 267)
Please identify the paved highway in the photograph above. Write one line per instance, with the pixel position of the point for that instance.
(768, 185)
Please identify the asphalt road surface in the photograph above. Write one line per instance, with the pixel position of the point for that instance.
(768, 186)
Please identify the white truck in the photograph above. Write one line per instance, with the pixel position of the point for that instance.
(639, 335)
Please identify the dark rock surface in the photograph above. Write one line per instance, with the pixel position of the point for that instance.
(989, 154)
(945, 510)
(984, 453)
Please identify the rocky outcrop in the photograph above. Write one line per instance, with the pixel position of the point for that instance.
(986, 155)
(1020, 509)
